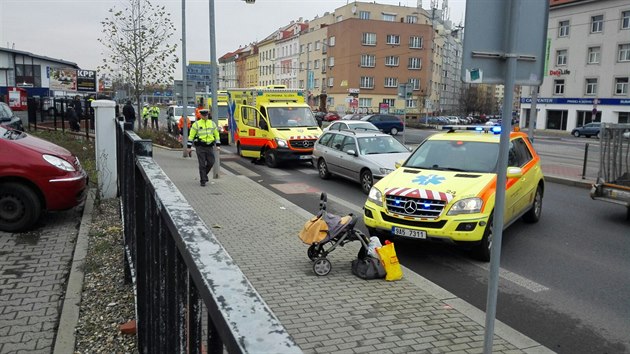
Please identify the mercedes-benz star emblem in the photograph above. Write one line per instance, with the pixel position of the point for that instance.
(306, 143)
(410, 207)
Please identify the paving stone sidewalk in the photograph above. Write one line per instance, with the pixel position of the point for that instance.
(338, 313)
(34, 268)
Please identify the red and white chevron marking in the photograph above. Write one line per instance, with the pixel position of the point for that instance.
(302, 137)
(419, 193)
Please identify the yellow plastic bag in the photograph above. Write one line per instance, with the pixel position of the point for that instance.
(314, 230)
(390, 262)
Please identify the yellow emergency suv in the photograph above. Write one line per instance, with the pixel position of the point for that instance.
(445, 190)
(273, 123)
(222, 109)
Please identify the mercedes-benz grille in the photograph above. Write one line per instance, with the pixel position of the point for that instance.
(302, 144)
(416, 207)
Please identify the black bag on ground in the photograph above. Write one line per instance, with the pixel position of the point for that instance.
(368, 268)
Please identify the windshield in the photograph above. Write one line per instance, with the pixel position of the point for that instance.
(10, 134)
(223, 112)
(380, 145)
(362, 126)
(179, 111)
(288, 117)
(455, 155)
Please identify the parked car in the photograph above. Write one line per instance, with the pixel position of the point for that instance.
(357, 156)
(386, 123)
(588, 130)
(331, 117)
(351, 125)
(353, 116)
(9, 119)
(36, 175)
(173, 113)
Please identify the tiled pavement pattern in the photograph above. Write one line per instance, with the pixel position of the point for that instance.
(337, 313)
(34, 269)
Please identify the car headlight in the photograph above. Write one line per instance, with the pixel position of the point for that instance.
(281, 143)
(376, 196)
(385, 171)
(59, 163)
(466, 206)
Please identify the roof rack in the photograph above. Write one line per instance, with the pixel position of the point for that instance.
(495, 129)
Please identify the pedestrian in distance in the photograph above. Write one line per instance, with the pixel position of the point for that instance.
(78, 107)
(71, 114)
(129, 113)
(204, 134)
(145, 115)
(154, 112)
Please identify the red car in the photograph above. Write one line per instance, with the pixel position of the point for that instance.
(331, 117)
(36, 175)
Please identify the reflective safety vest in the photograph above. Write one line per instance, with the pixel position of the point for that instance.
(155, 112)
(205, 131)
(145, 113)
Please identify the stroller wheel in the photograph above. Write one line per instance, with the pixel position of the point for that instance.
(322, 266)
(313, 252)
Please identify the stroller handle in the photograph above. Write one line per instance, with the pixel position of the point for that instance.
(323, 199)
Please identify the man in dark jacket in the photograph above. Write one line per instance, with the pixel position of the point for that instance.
(129, 113)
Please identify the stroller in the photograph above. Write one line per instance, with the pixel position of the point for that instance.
(325, 231)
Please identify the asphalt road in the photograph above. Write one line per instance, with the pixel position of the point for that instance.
(564, 281)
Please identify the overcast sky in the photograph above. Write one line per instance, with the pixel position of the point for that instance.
(68, 29)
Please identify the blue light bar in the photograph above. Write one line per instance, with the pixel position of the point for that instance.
(479, 128)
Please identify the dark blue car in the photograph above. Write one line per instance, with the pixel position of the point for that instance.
(386, 123)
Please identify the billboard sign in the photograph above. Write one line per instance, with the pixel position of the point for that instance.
(86, 80)
(63, 79)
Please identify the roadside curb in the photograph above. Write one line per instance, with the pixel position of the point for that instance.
(569, 182)
(69, 318)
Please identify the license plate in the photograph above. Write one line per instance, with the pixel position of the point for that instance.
(305, 157)
(409, 233)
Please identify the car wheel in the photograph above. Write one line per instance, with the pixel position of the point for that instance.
(393, 131)
(483, 249)
(271, 159)
(238, 149)
(576, 134)
(366, 181)
(533, 214)
(322, 167)
(19, 207)
(597, 135)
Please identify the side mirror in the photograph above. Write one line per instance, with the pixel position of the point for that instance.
(397, 164)
(514, 172)
(352, 152)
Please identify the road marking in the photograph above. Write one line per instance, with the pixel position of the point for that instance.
(276, 172)
(240, 169)
(308, 171)
(515, 278)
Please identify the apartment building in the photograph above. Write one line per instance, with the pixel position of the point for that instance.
(313, 57)
(287, 54)
(266, 60)
(588, 68)
(227, 71)
(251, 67)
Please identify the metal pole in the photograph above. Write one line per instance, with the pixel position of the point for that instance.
(184, 83)
(585, 159)
(533, 114)
(213, 87)
(497, 220)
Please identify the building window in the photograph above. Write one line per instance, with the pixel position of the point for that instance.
(561, 57)
(625, 20)
(316, 83)
(316, 64)
(367, 82)
(365, 102)
(364, 15)
(624, 117)
(318, 45)
(331, 41)
(415, 63)
(415, 83)
(368, 38)
(621, 86)
(558, 87)
(392, 61)
(415, 42)
(331, 62)
(411, 19)
(389, 17)
(597, 23)
(368, 61)
(591, 86)
(390, 102)
(563, 28)
(391, 82)
(624, 52)
(411, 103)
(393, 39)
(593, 55)
(331, 82)
(339, 18)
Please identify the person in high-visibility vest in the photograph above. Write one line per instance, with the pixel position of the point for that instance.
(145, 115)
(197, 114)
(154, 112)
(204, 134)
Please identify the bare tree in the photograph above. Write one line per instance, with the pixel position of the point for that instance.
(138, 49)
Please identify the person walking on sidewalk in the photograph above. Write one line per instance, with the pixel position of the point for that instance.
(130, 113)
(204, 134)
(154, 112)
(145, 115)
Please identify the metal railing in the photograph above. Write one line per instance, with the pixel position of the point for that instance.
(180, 270)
